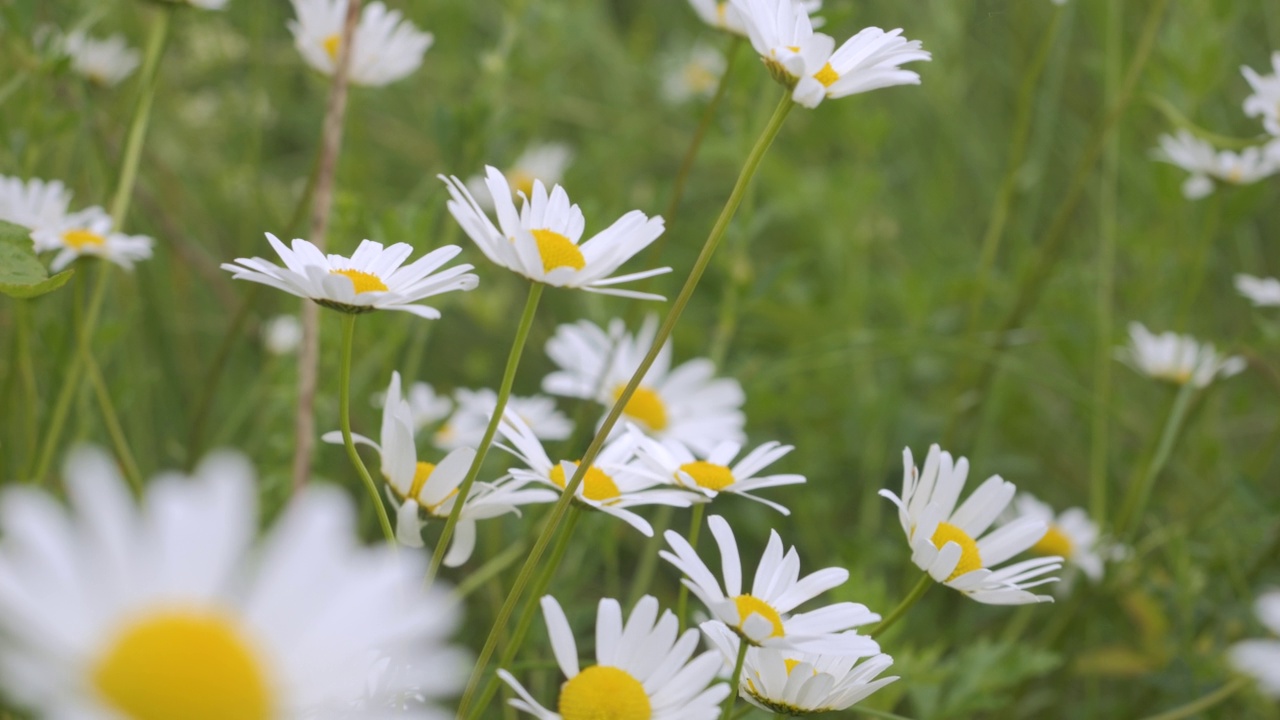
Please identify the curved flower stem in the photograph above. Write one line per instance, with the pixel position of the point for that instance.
(912, 597)
(344, 400)
(504, 392)
(695, 527)
(735, 680)
(1140, 493)
(1203, 703)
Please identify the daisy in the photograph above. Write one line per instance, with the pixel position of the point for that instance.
(762, 617)
(427, 406)
(608, 485)
(34, 204)
(792, 683)
(722, 15)
(105, 62)
(1071, 535)
(475, 410)
(202, 4)
(1265, 100)
(948, 542)
(672, 462)
(1263, 292)
(695, 74)
(545, 161)
(417, 488)
(642, 670)
(385, 47)
(1260, 659)
(282, 334)
(1206, 164)
(1174, 358)
(89, 232)
(371, 279)
(174, 611)
(543, 242)
(686, 403)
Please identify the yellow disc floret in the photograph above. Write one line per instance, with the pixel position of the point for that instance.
(522, 182)
(749, 605)
(558, 251)
(1054, 542)
(970, 560)
(708, 475)
(364, 282)
(421, 474)
(604, 693)
(645, 406)
(827, 75)
(597, 485)
(81, 239)
(332, 44)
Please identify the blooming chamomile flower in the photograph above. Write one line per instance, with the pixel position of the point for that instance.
(1262, 292)
(385, 47)
(543, 242)
(1206, 164)
(173, 611)
(672, 462)
(1260, 659)
(34, 204)
(1072, 535)
(1175, 358)
(544, 161)
(693, 74)
(762, 616)
(722, 15)
(1265, 100)
(371, 279)
(475, 409)
(282, 334)
(643, 671)
(686, 403)
(948, 542)
(89, 233)
(105, 62)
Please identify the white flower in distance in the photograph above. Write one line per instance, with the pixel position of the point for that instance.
(202, 4)
(948, 542)
(1262, 292)
(1175, 358)
(475, 409)
(693, 74)
(427, 405)
(1265, 100)
(1071, 535)
(385, 47)
(105, 62)
(1260, 659)
(543, 241)
(371, 279)
(795, 683)
(34, 204)
(282, 334)
(174, 611)
(686, 403)
(89, 233)
(722, 15)
(643, 671)
(762, 617)
(810, 63)
(1206, 164)
(545, 161)
(715, 473)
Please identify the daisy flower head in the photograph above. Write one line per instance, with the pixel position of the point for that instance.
(763, 616)
(722, 15)
(1175, 358)
(694, 74)
(1265, 100)
(543, 241)
(385, 47)
(475, 409)
(104, 62)
(1260, 659)
(427, 406)
(671, 462)
(544, 161)
(1206, 164)
(34, 204)
(949, 543)
(1262, 292)
(1072, 535)
(643, 670)
(371, 279)
(173, 610)
(89, 233)
(687, 403)
(282, 334)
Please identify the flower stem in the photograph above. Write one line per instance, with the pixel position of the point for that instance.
(1140, 492)
(735, 680)
(344, 400)
(112, 421)
(695, 528)
(912, 597)
(1203, 703)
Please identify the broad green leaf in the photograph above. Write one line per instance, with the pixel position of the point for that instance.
(22, 275)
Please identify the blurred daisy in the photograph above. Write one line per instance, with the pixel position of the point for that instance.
(105, 62)
(686, 403)
(796, 684)
(642, 669)
(475, 410)
(89, 233)
(385, 47)
(607, 485)
(1175, 358)
(1071, 535)
(282, 334)
(761, 616)
(174, 611)
(724, 16)
(34, 204)
(948, 542)
(543, 241)
(202, 4)
(672, 462)
(1263, 292)
(545, 161)
(1265, 100)
(1260, 659)
(371, 279)
(694, 74)
(1206, 164)
(427, 406)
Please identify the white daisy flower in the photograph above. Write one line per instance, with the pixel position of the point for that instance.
(545, 161)
(948, 542)
(722, 15)
(385, 47)
(686, 403)
(694, 74)
(762, 617)
(34, 204)
(202, 4)
(1262, 292)
(105, 62)
(282, 334)
(371, 279)
(1260, 659)
(174, 611)
(1206, 164)
(642, 670)
(608, 486)
(475, 409)
(89, 232)
(672, 462)
(1175, 358)
(543, 242)
(427, 405)
(414, 486)
(796, 684)
(1072, 535)
(1265, 100)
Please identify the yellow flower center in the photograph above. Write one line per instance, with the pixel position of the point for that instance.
(604, 693)
(722, 8)
(749, 605)
(708, 475)
(522, 182)
(1054, 542)
(1235, 176)
(80, 239)
(827, 75)
(699, 78)
(970, 560)
(791, 664)
(332, 44)
(190, 665)
(597, 485)
(364, 282)
(420, 476)
(558, 251)
(645, 406)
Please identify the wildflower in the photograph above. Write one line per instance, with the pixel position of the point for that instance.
(202, 4)
(1263, 292)
(385, 47)
(694, 75)
(1174, 358)
(1071, 535)
(105, 62)
(722, 15)
(475, 408)
(545, 161)
(1260, 659)
(89, 232)
(948, 542)
(34, 204)
(642, 670)
(371, 279)
(1205, 164)
(1265, 100)
(672, 462)
(282, 334)
(427, 406)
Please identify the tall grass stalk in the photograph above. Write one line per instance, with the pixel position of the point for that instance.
(1139, 494)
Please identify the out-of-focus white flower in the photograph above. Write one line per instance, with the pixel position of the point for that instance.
(282, 334)
(694, 74)
(1265, 100)
(34, 204)
(475, 410)
(722, 15)
(1176, 358)
(1206, 164)
(1261, 658)
(201, 4)
(1263, 292)
(385, 46)
(1072, 535)
(543, 161)
(89, 232)
(427, 406)
(105, 62)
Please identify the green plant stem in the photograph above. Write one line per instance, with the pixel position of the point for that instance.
(691, 283)
(735, 680)
(695, 528)
(1204, 703)
(504, 392)
(344, 400)
(1140, 492)
(208, 390)
(917, 592)
(642, 579)
(112, 420)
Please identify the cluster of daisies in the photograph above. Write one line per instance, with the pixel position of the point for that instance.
(43, 209)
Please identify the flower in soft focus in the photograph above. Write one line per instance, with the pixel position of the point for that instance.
(722, 15)
(1206, 164)
(642, 670)
(543, 241)
(105, 62)
(1262, 292)
(89, 233)
(371, 279)
(385, 46)
(810, 64)
(475, 409)
(1175, 358)
(687, 403)
(761, 617)
(948, 542)
(414, 486)
(544, 161)
(172, 610)
(672, 462)
(202, 4)
(427, 405)
(282, 334)
(1260, 659)
(694, 74)
(1072, 535)
(34, 204)
(608, 486)
(1265, 100)
(795, 683)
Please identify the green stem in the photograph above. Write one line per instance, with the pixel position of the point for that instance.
(504, 392)
(695, 528)
(1203, 703)
(1140, 493)
(141, 116)
(642, 579)
(917, 592)
(735, 680)
(344, 400)
(112, 420)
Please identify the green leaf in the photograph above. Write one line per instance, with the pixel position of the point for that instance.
(22, 275)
